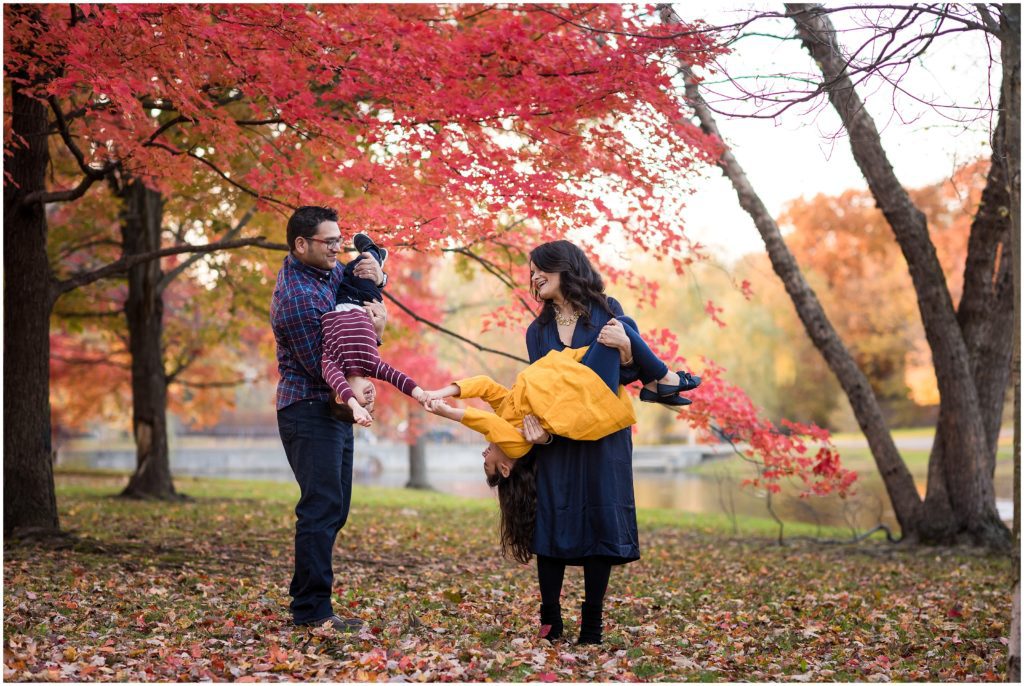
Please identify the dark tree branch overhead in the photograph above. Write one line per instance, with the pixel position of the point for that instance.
(451, 333)
(171, 275)
(123, 264)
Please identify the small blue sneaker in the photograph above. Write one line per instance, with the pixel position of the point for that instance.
(364, 243)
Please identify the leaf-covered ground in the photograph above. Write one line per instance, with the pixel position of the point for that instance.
(198, 591)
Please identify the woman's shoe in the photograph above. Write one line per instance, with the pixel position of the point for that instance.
(551, 626)
(590, 624)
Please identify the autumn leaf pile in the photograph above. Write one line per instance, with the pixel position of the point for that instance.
(198, 591)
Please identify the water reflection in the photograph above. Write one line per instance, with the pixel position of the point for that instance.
(457, 469)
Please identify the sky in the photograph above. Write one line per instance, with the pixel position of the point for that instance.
(798, 154)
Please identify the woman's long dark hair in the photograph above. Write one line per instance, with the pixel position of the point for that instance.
(581, 285)
(517, 502)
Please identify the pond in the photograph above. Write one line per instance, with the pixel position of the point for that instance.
(457, 468)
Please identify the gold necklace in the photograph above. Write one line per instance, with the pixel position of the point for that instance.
(566, 320)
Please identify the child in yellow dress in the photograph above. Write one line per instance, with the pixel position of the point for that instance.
(573, 393)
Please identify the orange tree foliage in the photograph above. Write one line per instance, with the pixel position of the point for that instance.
(430, 126)
(846, 243)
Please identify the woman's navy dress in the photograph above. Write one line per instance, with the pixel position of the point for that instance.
(585, 503)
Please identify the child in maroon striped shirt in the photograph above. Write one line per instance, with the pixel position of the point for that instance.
(350, 341)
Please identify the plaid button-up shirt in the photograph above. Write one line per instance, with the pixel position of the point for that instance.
(302, 296)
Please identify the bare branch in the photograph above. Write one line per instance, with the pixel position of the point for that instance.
(231, 383)
(451, 333)
(217, 170)
(123, 264)
(230, 235)
(46, 197)
(82, 360)
(84, 314)
(819, 328)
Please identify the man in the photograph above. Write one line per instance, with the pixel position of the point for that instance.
(319, 447)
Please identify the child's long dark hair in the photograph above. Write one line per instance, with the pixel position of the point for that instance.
(581, 285)
(517, 502)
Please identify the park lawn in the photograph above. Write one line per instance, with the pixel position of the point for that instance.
(195, 591)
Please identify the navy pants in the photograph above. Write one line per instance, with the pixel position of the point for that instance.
(354, 290)
(320, 451)
(605, 361)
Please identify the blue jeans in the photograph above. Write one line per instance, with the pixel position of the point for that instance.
(606, 363)
(319, 450)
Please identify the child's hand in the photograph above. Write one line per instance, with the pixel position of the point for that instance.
(362, 417)
(439, 407)
(419, 395)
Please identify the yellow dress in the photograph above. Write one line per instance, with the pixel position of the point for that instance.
(567, 397)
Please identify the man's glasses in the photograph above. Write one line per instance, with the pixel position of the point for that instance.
(332, 243)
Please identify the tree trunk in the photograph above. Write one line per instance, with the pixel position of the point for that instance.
(898, 481)
(1010, 53)
(29, 499)
(969, 486)
(141, 224)
(986, 318)
(417, 456)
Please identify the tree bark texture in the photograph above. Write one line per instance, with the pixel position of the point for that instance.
(986, 317)
(897, 478)
(417, 456)
(1010, 53)
(418, 465)
(141, 224)
(29, 499)
(969, 487)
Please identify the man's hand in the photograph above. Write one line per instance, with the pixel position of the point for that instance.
(533, 432)
(369, 269)
(378, 315)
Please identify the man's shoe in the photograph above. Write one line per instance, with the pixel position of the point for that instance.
(346, 625)
(364, 243)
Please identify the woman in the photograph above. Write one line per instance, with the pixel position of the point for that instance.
(585, 513)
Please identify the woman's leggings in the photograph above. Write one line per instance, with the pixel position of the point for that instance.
(606, 363)
(551, 572)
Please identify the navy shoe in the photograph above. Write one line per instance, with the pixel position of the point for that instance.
(687, 382)
(673, 400)
(364, 243)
